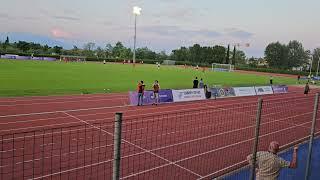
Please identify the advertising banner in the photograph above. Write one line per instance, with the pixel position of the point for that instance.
(244, 91)
(165, 96)
(222, 92)
(26, 57)
(23, 57)
(188, 95)
(263, 90)
(280, 89)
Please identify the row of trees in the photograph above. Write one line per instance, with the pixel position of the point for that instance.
(28, 47)
(291, 55)
(89, 50)
(277, 55)
(194, 54)
(208, 55)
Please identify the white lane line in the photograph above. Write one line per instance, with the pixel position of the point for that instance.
(173, 104)
(139, 147)
(139, 121)
(61, 102)
(161, 148)
(211, 151)
(50, 98)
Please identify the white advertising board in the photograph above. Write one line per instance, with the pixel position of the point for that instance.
(244, 91)
(263, 90)
(188, 95)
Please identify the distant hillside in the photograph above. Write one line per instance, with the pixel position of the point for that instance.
(29, 37)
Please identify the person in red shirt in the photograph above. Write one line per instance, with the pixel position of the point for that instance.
(156, 88)
(140, 93)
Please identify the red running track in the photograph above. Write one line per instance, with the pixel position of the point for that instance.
(71, 137)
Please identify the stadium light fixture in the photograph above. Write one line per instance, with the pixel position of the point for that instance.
(136, 12)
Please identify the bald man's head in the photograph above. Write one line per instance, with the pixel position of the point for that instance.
(274, 147)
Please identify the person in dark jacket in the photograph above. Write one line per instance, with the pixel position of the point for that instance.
(306, 89)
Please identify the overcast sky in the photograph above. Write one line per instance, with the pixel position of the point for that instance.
(168, 24)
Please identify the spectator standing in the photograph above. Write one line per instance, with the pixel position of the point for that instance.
(207, 93)
(306, 89)
(269, 163)
(201, 84)
(140, 93)
(156, 89)
(298, 79)
(271, 80)
(195, 83)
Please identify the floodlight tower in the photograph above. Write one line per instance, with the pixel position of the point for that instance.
(136, 12)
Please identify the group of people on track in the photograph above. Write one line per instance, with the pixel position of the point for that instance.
(156, 89)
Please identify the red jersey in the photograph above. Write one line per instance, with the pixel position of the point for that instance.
(140, 88)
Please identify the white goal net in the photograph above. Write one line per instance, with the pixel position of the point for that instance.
(168, 62)
(222, 67)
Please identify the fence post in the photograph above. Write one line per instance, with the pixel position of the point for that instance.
(256, 139)
(314, 119)
(117, 146)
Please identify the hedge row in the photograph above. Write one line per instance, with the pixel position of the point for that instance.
(268, 70)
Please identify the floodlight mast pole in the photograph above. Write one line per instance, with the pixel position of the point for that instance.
(135, 38)
(318, 65)
(311, 65)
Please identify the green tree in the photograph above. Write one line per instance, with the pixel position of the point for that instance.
(57, 49)
(316, 58)
(88, 49)
(117, 50)
(162, 56)
(45, 48)
(240, 57)
(195, 52)
(296, 54)
(228, 55)
(23, 46)
(108, 50)
(7, 42)
(218, 55)
(234, 56)
(145, 53)
(276, 54)
(100, 52)
(182, 54)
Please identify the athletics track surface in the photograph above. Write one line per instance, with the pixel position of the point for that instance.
(71, 137)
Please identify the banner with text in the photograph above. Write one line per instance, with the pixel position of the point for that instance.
(165, 96)
(244, 91)
(222, 92)
(263, 90)
(188, 95)
(280, 89)
(8, 56)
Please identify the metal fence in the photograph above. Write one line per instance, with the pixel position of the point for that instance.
(211, 141)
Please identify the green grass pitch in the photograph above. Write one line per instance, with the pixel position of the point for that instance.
(25, 78)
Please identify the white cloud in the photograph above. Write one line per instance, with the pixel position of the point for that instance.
(58, 33)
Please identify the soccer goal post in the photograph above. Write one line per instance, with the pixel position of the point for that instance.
(222, 67)
(168, 62)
